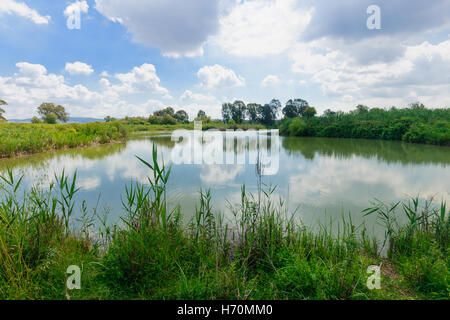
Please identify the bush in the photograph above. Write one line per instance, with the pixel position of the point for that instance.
(36, 120)
(297, 127)
(418, 125)
(50, 118)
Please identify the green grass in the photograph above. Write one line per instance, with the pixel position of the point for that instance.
(142, 124)
(263, 253)
(17, 139)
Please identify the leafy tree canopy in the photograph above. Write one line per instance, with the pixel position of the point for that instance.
(58, 112)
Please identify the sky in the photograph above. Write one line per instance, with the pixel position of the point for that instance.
(130, 58)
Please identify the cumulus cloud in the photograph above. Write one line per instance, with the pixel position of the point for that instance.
(217, 76)
(21, 9)
(177, 27)
(198, 97)
(422, 73)
(270, 80)
(79, 68)
(143, 78)
(346, 19)
(261, 28)
(32, 85)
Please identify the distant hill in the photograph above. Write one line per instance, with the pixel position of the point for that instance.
(71, 120)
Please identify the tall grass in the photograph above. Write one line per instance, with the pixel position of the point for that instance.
(19, 139)
(261, 252)
(420, 247)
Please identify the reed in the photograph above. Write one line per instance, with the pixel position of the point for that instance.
(259, 250)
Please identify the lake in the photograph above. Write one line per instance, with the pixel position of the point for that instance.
(320, 178)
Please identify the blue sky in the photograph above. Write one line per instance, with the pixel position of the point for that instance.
(133, 57)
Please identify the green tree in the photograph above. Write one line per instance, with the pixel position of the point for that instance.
(329, 113)
(59, 112)
(163, 112)
(417, 106)
(181, 116)
(109, 119)
(238, 111)
(267, 114)
(309, 112)
(2, 111)
(252, 112)
(362, 109)
(50, 118)
(201, 114)
(295, 108)
(226, 112)
(36, 120)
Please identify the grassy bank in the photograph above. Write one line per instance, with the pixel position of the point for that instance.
(142, 124)
(261, 254)
(17, 139)
(416, 125)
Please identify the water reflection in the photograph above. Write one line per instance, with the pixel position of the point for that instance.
(322, 177)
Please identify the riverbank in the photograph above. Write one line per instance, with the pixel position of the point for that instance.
(21, 139)
(413, 125)
(262, 254)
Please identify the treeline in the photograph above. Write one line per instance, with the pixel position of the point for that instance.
(415, 124)
(267, 114)
(166, 116)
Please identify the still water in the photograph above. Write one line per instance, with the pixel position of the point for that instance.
(320, 178)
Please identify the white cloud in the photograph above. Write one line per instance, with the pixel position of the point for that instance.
(79, 68)
(177, 27)
(21, 9)
(143, 78)
(32, 85)
(220, 174)
(217, 76)
(78, 6)
(270, 80)
(197, 97)
(261, 28)
(422, 73)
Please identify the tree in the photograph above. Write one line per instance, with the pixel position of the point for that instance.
(417, 106)
(267, 114)
(167, 111)
(226, 112)
(2, 111)
(362, 109)
(36, 120)
(50, 118)
(201, 114)
(109, 119)
(295, 108)
(309, 112)
(329, 113)
(59, 112)
(290, 110)
(238, 111)
(181, 116)
(252, 112)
